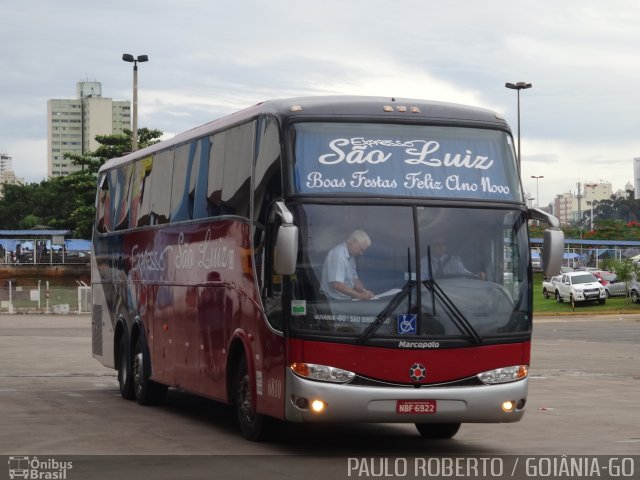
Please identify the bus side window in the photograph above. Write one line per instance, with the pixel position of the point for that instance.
(238, 160)
(214, 177)
(267, 187)
(124, 198)
(199, 177)
(102, 204)
(141, 193)
(160, 185)
(180, 183)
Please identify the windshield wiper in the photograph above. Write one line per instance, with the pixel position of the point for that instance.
(386, 311)
(454, 313)
(391, 306)
(436, 292)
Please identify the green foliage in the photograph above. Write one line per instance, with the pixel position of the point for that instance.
(66, 203)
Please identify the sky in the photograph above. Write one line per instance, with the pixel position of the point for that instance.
(580, 121)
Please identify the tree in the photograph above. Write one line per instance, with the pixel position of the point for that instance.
(67, 203)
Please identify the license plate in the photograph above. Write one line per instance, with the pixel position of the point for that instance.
(416, 407)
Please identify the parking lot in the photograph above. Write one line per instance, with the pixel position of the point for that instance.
(56, 399)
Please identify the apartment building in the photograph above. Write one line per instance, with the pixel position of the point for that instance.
(7, 176)
(569, 207)
(74, 123)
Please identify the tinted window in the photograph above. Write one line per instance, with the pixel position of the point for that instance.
(238, 160)
(180, 184)
(141, 193)
(160, 178)
(125, 174)
(214, 177)
(102, 208)
(198, 180)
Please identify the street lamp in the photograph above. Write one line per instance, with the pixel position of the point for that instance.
(518, 86)
(537, 178)
(591, 204)
(130, 58)
(530, 199)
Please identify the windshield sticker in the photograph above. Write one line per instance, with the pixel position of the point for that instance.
(298, 308)
(407, 324)
(450, 167)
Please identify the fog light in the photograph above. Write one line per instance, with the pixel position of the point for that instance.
(508, 406)
(318, 406)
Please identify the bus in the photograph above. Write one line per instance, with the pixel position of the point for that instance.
(209, 251)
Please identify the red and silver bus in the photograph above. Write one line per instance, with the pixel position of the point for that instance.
(208, 255)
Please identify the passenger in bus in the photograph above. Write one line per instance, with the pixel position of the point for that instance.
(340, 279)
(443, 264)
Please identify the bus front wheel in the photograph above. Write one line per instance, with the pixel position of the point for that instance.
(253, 426)
(147, 392)
(437, 430)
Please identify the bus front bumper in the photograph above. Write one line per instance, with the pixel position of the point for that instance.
(351, 403)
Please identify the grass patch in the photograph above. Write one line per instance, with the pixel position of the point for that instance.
(542, 306)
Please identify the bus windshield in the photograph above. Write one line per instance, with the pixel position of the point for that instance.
(434, 272)
(405, 160)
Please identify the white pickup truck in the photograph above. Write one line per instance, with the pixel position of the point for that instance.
(549, 286)
(575, 287)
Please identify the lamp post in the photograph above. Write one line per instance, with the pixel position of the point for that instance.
(518, 86)
(537, 178)
(530, 199)
(130, 58)
(590, 204)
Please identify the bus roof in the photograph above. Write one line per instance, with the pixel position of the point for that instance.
(401, 110)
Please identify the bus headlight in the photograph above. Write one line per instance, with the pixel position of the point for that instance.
(322, 373)
(504, 375)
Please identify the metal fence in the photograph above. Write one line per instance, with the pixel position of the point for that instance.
(44, 297)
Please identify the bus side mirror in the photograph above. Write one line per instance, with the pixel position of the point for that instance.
(286, 251)
(553, 250)
(286, 248)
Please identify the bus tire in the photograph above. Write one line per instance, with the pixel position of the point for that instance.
(146, 391)
(253, 426)
(437, 430)
(125, 381)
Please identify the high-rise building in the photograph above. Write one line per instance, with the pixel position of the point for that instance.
(570, 207)
(636, 176)
(5, 162)
(7, 176)
(74, 123)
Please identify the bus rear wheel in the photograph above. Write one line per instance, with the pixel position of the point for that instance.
(124, 370)
(254, 426)
(146, 391)
(437, 430)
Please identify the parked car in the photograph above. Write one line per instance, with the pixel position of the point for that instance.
(612, 286)
(634, 290)
(549, 286)
(578, 287)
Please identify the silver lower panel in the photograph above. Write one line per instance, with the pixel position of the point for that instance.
(348, 403)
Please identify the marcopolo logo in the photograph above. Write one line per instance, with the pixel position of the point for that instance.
(418, 344)
(38, 469)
